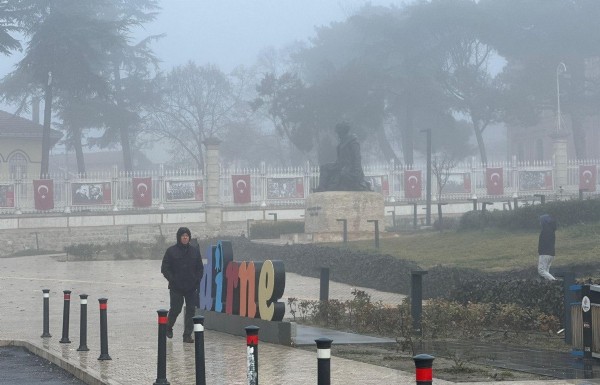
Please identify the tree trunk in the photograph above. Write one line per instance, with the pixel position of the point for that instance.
(407, 131)
(78, 150)
(126, 147)
(480, 143)
(385, 146)
(46, 130)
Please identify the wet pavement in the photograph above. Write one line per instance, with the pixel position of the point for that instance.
(135, 290)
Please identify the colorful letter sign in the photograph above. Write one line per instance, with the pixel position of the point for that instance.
(248, 289)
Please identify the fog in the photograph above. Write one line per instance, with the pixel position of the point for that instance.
(227, 33)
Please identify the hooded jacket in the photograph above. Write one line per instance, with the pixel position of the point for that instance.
(547, 235)
(182, 265)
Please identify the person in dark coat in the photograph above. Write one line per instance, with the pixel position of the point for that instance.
(182, 267)
(546, 246)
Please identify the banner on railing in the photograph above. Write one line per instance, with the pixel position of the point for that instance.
(587, 178)
(142, 192)
(380, 184)
(184, 190)
(241, 189)
(7, 195)
(412, 184)
(91, 193)
(535, 180)
(285, 188)
(43, 194)
(458, 183)
(494, 177)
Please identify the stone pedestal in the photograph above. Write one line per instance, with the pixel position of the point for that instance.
(323, 209)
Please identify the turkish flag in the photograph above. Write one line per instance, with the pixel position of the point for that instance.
(43, 194)
(412, 184)
(142, 192)
(494, 181)
(241, 188)
(199, 191)
(299, 188)
(548, 181)
(587, 178)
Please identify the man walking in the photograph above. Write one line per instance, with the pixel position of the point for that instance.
(182, 267)
(546, 244)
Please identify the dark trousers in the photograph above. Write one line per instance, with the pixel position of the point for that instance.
(177, 299)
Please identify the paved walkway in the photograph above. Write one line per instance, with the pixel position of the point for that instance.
(135, 290)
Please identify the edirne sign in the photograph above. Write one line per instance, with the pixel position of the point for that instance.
(248, 289)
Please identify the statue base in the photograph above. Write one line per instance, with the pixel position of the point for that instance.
(323, 209)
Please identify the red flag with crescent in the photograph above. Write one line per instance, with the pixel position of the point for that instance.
(43, 191)
(142, 192)
(241, 189)
(587, 178)
(412, 184)
(494, 180)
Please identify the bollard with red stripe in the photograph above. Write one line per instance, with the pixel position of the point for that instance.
(83, 324)
(199, 339)
(252, 354)
(423, 369)
(46, 333)
(161, 366)
(65, 329)
(103, 330)
(323, 361)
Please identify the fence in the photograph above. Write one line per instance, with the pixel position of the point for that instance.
(264, 186)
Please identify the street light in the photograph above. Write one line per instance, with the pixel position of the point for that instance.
(428, 188)
(559, 70)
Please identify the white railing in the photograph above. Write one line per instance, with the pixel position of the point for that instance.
(114, 190)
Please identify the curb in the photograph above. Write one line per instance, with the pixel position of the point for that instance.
(86, 375)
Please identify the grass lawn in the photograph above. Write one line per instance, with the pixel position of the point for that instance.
(490, 249)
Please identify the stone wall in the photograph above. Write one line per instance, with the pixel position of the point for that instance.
(56, 239)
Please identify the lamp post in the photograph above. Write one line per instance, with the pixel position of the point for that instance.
(428, 188)
(559, 70)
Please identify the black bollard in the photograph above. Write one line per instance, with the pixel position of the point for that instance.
(376, 222)
(199, 339)
(161, 365)
(103, 330)
(324, 288)
(323, 361)
(345, 229)
(416, 298)
(423, 369)
(46, 333)
(252, 354)
(83, 324)
(65, 329)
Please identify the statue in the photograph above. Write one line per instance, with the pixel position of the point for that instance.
(346, 173)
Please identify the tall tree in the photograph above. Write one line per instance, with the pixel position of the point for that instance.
(198, 102)
(9, 17)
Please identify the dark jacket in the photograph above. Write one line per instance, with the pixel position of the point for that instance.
(182, 267)
(547, 236)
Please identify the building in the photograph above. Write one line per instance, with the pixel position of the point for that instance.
(21, 146)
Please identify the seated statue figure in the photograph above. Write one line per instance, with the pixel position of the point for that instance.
(346, 173)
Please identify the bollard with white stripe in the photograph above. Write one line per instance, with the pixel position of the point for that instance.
(199, 339)
(103, 330)
(423, 369)
(323, 361)
(252, 354)
(65, 329)
(161, 362)
(83, 324)
(46, 333)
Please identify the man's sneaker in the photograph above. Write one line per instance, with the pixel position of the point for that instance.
(170, 333)
(188, 339)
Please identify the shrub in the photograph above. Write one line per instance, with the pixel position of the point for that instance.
(273, 229)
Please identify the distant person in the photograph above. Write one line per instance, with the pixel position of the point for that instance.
(346, 173)
(546, 246)
(182, 267)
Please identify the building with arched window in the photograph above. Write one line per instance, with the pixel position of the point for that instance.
(21, 146)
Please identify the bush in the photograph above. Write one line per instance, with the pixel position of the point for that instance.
(273, 229)
(567, 213)
(86, 251)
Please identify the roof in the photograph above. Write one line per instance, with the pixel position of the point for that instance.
(14, 126)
